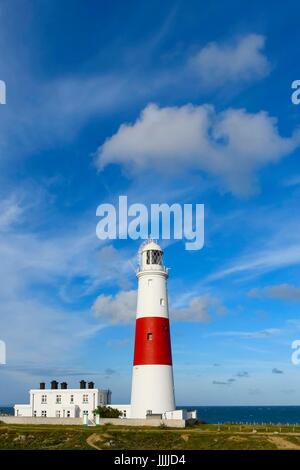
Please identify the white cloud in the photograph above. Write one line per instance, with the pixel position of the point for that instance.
(237, 62)
(121, 308)
(199, 309)
(230, 145)
(10, 212)
(280, 291)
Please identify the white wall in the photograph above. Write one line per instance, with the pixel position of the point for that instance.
(152, 390)
(84, 401)
(152, 287)
(125, 409)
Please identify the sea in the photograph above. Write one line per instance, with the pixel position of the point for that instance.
(235, 414)
(248, 414)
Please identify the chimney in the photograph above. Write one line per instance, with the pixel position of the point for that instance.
(42, 386)
(54, 385)
(91, 385)
(82, 384)
(64, 385)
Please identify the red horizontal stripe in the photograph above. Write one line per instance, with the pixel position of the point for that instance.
(152, 341)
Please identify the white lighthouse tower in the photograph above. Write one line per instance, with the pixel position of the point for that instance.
(152, 378)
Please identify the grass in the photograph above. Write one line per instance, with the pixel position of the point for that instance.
(202, 437)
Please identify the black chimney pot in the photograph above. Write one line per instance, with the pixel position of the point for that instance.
(82, 384)
(64, 385)
(91, 385)
(54, 385)
(42, 386)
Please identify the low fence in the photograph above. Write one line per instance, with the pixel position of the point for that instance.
(172, 423)
(169, 423)
(32, 420)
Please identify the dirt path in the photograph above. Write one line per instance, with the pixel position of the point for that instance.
(93, 439)
(282, 443)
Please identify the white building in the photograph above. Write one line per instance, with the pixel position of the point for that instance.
(64, 402)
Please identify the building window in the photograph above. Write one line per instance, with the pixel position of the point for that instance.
(68, 414)
(72, 399)
(58, 414)
(44, 399)
(149, 336)
(58, 399)
(34, 414)
(44, 414)
(162, 302)
(148, 257)
(85, 399)
(85, 413)
(124, 413)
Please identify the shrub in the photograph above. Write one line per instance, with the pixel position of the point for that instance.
(107, 412)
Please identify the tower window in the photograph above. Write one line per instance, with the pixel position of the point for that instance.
(156, 257)
(162, 302)
(149, 282)
(149, 336)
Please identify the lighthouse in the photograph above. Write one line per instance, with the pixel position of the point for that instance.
(152, 389)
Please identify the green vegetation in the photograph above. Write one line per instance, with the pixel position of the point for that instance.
(107, 412)
(125, 438)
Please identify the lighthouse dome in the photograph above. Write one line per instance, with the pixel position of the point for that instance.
(150, 245)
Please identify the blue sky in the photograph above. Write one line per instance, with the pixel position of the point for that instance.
(184, 102)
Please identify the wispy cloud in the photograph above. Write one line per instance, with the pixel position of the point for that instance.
(118, 343)
(248, 334)
(52, 371)
(220, 382)
(238, 61)
(281, 291)
(262, 261)
(242, 374)
(277, 371)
